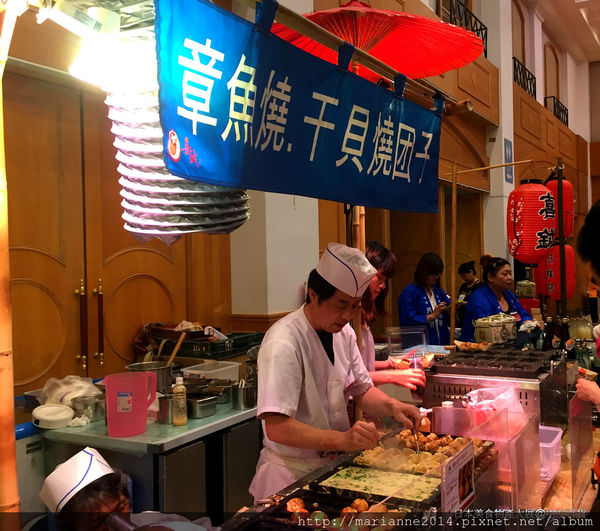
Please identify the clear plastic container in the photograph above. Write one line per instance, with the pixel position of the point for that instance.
(550, 438)
(128, 395)
(227, 370)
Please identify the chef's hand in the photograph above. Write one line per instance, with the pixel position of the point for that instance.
(409, 378)
(588, 391)
(361, 436)
(406, 414)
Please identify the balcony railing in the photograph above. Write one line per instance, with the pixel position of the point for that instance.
(461, 15)
(524, 78)
(559, 110)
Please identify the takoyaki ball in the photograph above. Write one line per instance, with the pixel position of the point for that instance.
(460, 442)
(300, 515)
(347, 510)
(422, 439)
(295, 504)
(378, 508)
(432, 446)
(445, 440)
(317, 518)
(432, 437)
(360, 505)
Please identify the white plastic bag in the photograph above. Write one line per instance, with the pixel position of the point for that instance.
(495, 399)
(64, 391)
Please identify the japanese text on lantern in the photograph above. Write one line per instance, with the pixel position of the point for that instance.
(258, 116)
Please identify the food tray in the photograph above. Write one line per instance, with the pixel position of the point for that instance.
(332, 504)
(237, 344)
(501, 362)
(434, 500)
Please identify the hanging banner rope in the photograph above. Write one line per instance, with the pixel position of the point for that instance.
(242, 108)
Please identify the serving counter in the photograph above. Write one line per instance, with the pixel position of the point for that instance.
(204, 467)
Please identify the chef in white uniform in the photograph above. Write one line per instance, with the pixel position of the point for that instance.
(308, 367)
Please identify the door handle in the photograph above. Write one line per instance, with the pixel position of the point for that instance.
(83, 326)
(99, 355)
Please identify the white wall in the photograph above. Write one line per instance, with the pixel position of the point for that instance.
(497, 16)
(299, 6)
(249, 260)
(292, 248)
(578, 98)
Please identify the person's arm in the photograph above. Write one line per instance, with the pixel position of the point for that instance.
(291, 432)
(408, 308)
(409, 378)
(588, 391)
(376, 403)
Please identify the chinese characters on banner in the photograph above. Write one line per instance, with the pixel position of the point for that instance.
(240, 107)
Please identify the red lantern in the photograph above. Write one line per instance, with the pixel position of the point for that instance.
(540, 279)
(567, 204)
(552, 272)
(530, 222)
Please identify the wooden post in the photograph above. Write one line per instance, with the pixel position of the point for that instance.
(9, 492)
(452, 309)
(562, 307)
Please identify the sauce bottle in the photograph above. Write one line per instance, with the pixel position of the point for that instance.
(549, 331)
(179, 403)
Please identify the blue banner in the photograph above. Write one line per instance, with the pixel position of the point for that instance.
(242, 108)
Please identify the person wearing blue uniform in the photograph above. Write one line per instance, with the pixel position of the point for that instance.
(425, 303)
(493, 297)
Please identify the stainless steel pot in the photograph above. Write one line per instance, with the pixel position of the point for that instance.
(244, 397)
(164, 373)
(93, 407)
(198, 408)
(165, 409)
(223, 393)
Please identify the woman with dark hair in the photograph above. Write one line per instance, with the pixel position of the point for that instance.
(470, 284)
(494, 297)
(373, 301)
(424, 302)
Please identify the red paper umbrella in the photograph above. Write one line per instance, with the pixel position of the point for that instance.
(415, 46)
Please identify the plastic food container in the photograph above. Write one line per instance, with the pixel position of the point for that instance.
(93, 407)
(228, 370)
(549, 452)
(52, 416)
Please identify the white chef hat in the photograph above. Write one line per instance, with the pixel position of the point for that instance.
(346, 268)
(71, 476)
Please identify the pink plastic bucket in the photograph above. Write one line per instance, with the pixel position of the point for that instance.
(128, 395)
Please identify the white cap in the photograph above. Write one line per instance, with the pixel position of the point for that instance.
(71, 476)
(346, 268)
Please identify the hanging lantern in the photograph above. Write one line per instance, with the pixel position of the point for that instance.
(539, 278)
(567, 204)
(530, 222)
(552, 272)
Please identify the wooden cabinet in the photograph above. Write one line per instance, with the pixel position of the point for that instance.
(64, 227)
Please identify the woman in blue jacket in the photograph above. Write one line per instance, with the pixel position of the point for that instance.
(494, 297)
(424, 302)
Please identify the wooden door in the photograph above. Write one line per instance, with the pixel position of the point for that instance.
(412, 234)
(141, 282)
(45, 210)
